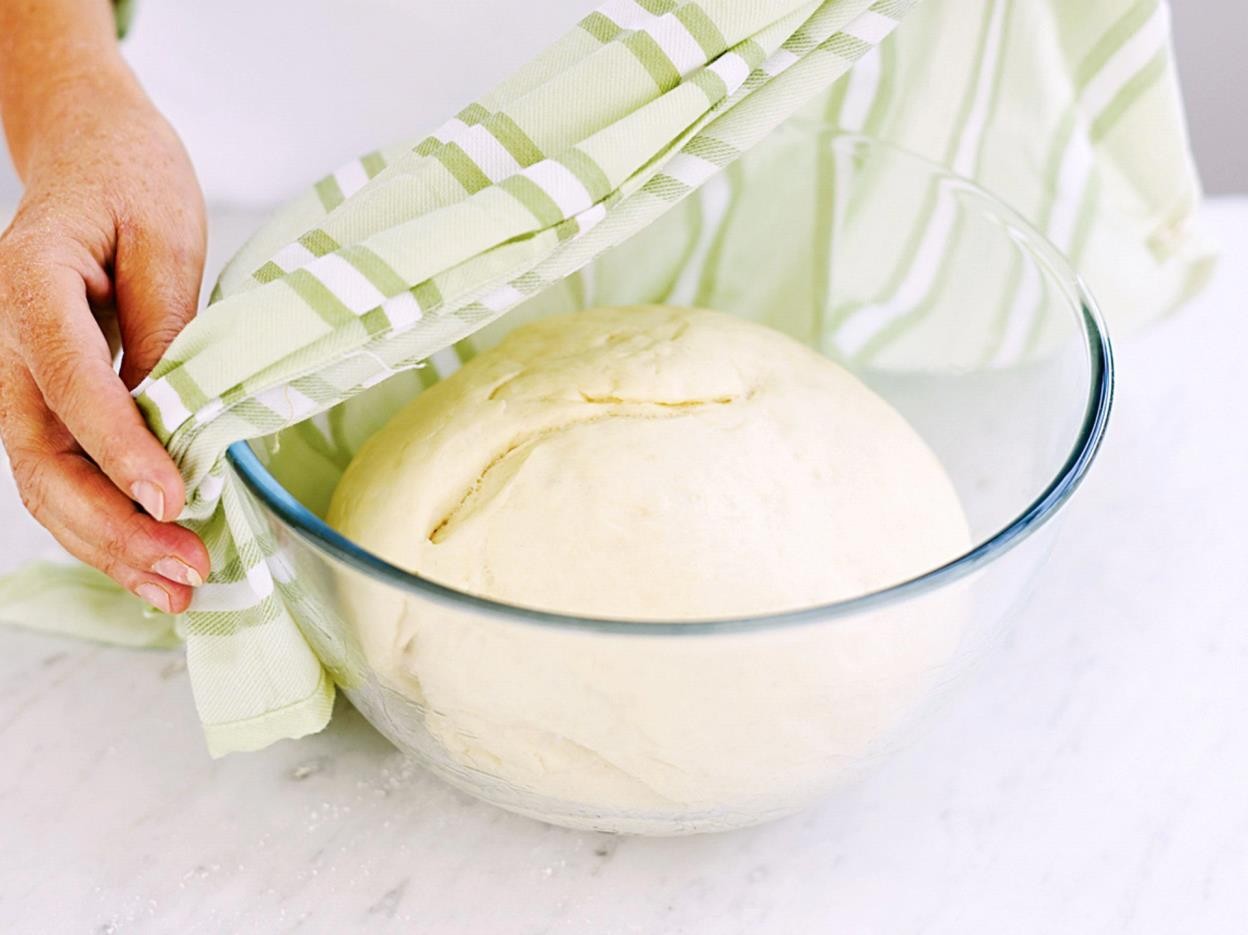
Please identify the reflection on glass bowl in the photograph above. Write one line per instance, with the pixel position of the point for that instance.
(997, 357)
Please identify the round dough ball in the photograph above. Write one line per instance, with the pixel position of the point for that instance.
(652, 463)
(648, 463)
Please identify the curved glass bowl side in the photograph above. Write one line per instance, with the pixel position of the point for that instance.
(1096, 408)
(622, 726)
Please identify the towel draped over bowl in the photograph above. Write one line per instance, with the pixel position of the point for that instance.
(1068, 111)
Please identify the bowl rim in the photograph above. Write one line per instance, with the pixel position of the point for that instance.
(315, 532)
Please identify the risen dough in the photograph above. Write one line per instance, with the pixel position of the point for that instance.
(650, 463)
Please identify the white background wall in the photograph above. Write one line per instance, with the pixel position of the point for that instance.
(1211, 45)
(246, 82)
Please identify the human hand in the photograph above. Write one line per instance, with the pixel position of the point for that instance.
(109, 238)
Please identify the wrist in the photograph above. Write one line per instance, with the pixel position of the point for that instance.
(86, 109)
(59, 61)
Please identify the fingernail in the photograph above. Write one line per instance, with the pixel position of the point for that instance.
(150, 497)
(155, 595)
(177, 570)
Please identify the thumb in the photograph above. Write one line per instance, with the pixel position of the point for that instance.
(157, 275)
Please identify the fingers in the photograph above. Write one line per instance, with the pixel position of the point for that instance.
(84, 510)
(68, 357)
(161, 592)
(160, 562)
(158, 273)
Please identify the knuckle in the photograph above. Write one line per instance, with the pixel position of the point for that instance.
(114, 567)
(58, 370)
(151, 344)
(30, 474)
(122, 541)
(115, 449)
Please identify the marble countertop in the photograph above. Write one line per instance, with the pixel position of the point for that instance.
(1090, 779)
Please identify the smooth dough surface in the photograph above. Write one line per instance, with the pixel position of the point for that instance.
(650, 463)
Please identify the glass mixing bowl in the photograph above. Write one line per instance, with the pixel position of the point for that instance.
(948, 305)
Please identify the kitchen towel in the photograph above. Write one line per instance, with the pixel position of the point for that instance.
(407, 251)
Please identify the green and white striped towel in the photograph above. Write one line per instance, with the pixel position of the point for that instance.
(407, 251)
(1070, 112)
